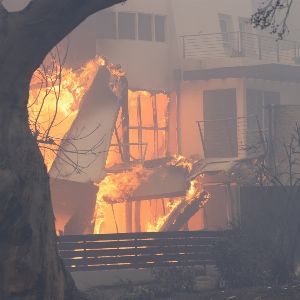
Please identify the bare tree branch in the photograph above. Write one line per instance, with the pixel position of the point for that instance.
(273, 15)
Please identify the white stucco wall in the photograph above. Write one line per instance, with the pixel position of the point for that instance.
(192, 110)
(148, 64)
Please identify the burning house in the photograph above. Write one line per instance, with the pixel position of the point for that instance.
(185, 113)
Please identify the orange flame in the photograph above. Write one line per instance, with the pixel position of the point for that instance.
(54, 100)
(117, 188)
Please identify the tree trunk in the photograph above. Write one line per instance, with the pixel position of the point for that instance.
(30, 267)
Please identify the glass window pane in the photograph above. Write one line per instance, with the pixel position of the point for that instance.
(106, 25)
(220, 127)
(145, 27)
(126, 25)
(160, 28)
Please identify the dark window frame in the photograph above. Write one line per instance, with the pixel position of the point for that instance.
(163, 37)
(129, 35)
(142, 36)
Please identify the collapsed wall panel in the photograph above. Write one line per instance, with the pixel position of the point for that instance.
(84, 149)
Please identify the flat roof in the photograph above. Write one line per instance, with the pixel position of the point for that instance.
(274, 72)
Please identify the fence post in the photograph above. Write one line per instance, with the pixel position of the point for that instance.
(135, 253)
(85, 263)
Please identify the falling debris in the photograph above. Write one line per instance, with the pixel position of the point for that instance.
(182, 213)
(55, 96)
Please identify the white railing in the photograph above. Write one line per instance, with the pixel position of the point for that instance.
(241, 44)
(232, 137)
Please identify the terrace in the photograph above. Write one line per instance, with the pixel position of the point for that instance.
(241, 45)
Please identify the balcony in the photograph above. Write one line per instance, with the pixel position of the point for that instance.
(232, 138)
(241, 45)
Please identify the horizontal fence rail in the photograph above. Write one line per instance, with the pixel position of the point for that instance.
(241, 44)
(137, 250)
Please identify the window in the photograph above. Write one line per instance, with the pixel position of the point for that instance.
(127, 25)
(148, 125)
(131, 26)
(245, 25)
(257, 103)
(247, 39)
(160, 28)
(220, 123)
(106, 25)
(257, 107)
(148, 128)
(226, 26)
(145, 27)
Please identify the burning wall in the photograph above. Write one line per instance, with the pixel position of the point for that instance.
(57, 107)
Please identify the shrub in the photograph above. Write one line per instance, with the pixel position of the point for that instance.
(176, 278)
(249, 258)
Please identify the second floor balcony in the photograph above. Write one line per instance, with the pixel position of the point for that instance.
(241, 45)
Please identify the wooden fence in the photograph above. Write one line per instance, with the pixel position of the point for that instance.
(137, 250)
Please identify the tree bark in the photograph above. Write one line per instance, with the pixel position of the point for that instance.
(30, 267)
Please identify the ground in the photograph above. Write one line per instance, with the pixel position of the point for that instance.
(291, 292)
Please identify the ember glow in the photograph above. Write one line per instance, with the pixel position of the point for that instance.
(183, 162)
(55, 96)
(116, 188)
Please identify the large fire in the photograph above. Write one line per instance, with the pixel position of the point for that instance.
(148, 121)
(55, 96)
(54, 100)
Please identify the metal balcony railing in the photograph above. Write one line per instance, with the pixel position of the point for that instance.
(241, 44)
(232, 137)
